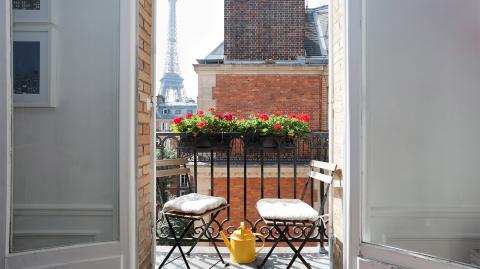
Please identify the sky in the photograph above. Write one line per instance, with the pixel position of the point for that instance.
(199, 31)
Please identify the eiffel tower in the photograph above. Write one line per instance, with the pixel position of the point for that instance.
(172, 82)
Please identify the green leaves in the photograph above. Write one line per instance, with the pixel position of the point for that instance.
(263, 124)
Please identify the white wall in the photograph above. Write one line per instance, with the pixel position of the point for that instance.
(422, 189)
(65, 157)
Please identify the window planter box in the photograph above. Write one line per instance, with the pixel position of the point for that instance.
(269, 142)
(206, 141)
(222, 141)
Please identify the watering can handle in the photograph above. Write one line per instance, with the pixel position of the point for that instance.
(263, 240)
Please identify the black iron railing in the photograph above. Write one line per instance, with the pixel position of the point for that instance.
(239, 154)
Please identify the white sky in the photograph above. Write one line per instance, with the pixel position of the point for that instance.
(199, 31)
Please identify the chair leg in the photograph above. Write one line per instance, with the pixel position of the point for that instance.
(210, 239)
(205, 227)
(275, 243)
(300, 249)
(297, 252)
(177, 242)
(322, 229)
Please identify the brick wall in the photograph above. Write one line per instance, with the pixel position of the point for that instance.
(338, 65)
(144, 117)
(264, 29)
(247, 94)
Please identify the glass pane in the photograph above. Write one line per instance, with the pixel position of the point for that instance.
(421, 181)
(65, 148)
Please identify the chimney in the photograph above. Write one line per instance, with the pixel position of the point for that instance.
(264, 29)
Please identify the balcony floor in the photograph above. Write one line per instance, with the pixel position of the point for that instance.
(204, 257)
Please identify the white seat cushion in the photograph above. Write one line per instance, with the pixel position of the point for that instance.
(193, 203)
(286, 209)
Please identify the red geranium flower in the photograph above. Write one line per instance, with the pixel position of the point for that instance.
(277, 126)
(304, 117)
(201, 124)
(292, 116)
(177, 120)
(212, 109)
(278, 113)
(200, 113)
(218, 115)
(189, 116)
(228, 116)
(262, 116)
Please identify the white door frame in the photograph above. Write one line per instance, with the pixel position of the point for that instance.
(106, 254)
(5, 123)
(359, 254)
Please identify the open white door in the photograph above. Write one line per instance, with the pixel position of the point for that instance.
(67, 130)
(413, 134)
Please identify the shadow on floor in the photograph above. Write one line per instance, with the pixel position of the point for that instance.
(279, 259)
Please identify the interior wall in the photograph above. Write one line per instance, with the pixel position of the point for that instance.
(422, 62)
(65, 157)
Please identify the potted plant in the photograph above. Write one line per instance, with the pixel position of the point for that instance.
(274, 131)
(205, 130)
(216, 130)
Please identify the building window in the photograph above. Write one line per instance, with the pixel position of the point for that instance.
(165, 111)
(163, 126)
(178, 112)
(183, 181)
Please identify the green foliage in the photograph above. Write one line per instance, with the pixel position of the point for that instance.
(169, 153)
(263, 124)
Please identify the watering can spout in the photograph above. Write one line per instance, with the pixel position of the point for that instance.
(225, 239)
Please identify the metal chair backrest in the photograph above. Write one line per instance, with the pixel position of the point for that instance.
(173, 168)
(323, 172)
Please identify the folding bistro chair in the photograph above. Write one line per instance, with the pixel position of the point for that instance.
(283, 213)
(191, 207)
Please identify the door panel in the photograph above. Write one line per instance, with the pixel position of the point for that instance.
(65, 172)
(73, 134)
(421, 127)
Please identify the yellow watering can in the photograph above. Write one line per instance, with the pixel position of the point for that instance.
(242, 245)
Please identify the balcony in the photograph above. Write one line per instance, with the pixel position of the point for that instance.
(243, 172)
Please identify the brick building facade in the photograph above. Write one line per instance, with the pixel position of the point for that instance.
(292, 93)
(254, 70)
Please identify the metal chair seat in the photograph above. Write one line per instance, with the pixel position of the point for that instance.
(293, 210)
